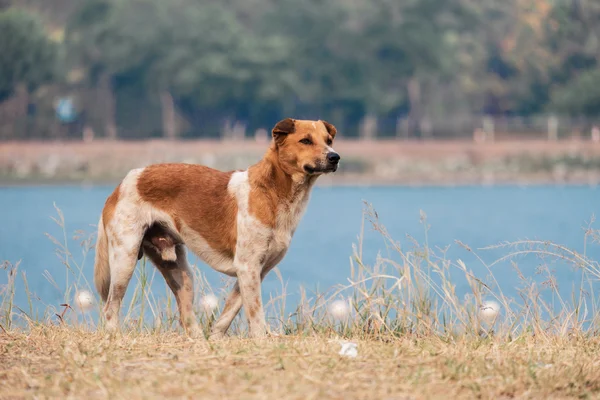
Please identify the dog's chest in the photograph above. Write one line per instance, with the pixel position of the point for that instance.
(288, 218)
(256, 239)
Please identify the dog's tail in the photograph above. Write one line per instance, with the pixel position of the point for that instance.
(101, 265)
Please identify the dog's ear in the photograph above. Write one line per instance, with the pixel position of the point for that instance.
(330, 128)
(283, 128)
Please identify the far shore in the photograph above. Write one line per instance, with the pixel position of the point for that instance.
(364, 163)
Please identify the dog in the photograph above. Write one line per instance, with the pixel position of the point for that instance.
(240, 223)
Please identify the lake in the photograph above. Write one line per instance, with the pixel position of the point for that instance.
(320, 251)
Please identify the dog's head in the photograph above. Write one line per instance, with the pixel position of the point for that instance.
(305, 146)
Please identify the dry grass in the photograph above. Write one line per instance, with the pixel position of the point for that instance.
(417, 338)
(70, 363)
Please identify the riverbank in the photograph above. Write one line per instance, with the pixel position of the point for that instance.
(386, 162)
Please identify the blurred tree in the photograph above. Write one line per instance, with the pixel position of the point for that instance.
(358, 58)
(28, 57)
(206, 59)
(27, 60)
(574, 36)
(85, 38)
(256, 61)
(190, 53)
(411, 44)
(581, 96)
(318, 61)
(507, 68)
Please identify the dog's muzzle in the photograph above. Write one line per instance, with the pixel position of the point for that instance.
(333, 158)
(331, 164)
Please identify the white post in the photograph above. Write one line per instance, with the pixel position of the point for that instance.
(426, 127)
(552, 128)
(488, 128)
(595, 134)
(368, 127)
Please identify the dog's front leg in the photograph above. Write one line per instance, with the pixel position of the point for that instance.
(249, 281)
(232, 307)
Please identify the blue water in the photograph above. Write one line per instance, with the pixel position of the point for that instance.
(320, 251)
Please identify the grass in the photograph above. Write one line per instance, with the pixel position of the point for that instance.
(416, 337)
(67, 362)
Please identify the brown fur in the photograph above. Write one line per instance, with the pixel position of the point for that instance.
(179, 279)
(201, 204)
(101, 268)
(110, 205)
(293, 155)
(270, 187)
(272, 179)
(193, 193)
(282, 129)
(330, 128)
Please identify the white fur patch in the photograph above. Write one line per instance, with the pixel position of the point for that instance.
(199, 246)
(252, 236)
(126, 229)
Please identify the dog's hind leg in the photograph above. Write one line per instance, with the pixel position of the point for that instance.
(178, 275)
(123, 259)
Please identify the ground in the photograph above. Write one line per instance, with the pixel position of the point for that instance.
(410, 162)
(55, 362)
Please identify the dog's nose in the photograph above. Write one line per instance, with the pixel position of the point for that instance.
(333, 158)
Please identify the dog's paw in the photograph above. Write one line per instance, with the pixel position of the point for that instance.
(217, 335)
(274, 335)
(259, 334)
(112, 334)
(194, 332)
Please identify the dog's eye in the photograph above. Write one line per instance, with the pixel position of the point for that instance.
(329, 141)
(306, 141)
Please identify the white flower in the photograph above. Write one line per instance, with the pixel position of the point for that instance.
(489, 311)
(84, 300)
(209, 302)
(339, 309)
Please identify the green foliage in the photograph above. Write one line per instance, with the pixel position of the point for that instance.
(27, 56)
(299, 53)
(257, 61)
(575, 39)
(198, 51)
(581, 96)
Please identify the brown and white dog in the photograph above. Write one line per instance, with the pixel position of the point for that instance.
(240, 223)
